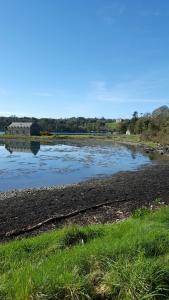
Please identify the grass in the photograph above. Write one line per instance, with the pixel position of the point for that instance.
(121, 138)
(128, 260)
(69, 136)
(111, 126)
(133, 139)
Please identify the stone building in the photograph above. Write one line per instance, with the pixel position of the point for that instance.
(23, 128)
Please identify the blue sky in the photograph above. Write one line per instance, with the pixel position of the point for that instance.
(63, 58)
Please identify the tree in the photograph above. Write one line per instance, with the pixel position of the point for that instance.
(135, 115)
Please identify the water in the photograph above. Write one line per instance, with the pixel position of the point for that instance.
(29, 164)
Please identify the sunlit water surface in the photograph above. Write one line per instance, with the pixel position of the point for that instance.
(29, 164)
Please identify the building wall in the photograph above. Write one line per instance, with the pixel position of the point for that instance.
(33, 130)
(18, 131)
(128, 132)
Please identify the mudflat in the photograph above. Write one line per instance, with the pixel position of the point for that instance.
(97, 201)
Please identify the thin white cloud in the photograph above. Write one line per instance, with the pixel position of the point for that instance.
(134, 91)
(42, 94)
(109, 13)
(11, 113)
(6, 113)
(150, 13)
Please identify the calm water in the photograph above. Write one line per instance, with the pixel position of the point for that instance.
(29, 164)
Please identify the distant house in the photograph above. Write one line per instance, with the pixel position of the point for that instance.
(128, 132)
(119, 120)
(23, 128)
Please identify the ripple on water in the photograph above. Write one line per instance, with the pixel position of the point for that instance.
(66, 162)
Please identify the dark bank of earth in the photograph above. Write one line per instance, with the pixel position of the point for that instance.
(123, 193)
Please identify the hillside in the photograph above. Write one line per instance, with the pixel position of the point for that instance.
(162, 111)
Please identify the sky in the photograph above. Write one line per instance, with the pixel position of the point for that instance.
(90, 58)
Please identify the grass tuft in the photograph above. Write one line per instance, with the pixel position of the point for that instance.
(80, 235)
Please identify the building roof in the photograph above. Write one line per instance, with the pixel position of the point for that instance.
(20, 125)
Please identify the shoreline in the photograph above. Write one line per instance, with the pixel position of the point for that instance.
(133, 139)
(130, 140)
(104, 200)
(57, 187)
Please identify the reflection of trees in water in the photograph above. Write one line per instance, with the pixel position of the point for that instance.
(133, 150)
(22, 146)
(133, 153)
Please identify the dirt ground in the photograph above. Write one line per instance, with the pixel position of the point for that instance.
(123, 193)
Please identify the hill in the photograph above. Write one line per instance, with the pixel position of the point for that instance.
(162, 111)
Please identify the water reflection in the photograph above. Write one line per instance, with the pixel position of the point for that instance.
(63, 162)
(22, 146)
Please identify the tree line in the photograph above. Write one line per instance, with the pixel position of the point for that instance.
(150, 126)
(80, 124)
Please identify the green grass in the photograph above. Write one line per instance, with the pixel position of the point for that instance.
(118, 138)
(133, 139)
(111, 125)
(61, 136)
(128, 260)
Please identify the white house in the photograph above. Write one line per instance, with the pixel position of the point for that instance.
(128, 132)
(119, 120)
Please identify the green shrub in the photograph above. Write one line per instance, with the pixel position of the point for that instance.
(79, 235)
(141, 212)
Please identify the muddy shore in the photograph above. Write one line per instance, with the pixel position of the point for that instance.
(119, 195)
